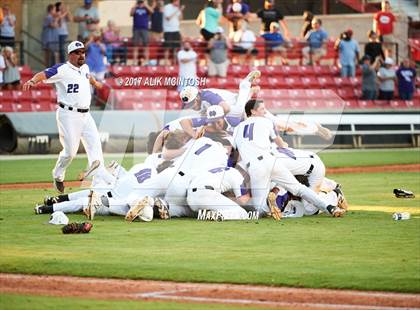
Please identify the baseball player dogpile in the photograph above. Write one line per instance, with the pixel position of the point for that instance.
(229, 163)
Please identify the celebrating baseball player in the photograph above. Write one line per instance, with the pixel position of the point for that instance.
(73, 84)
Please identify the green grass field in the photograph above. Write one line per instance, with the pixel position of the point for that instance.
(365, 250)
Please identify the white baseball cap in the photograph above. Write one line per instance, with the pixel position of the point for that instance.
(220, 30)
(188, 94)
(75, 45)
(389, 61)
(58, 218)
(214, 113)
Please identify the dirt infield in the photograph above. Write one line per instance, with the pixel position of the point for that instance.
(367, 169)
(245, 295)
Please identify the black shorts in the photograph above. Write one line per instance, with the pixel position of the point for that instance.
(241, 50)
(172, 39)
(207, 35)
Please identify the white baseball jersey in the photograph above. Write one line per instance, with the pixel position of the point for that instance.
(222, 179)
(154, 160)
(252, 137)
(176, 124)
(72, 84)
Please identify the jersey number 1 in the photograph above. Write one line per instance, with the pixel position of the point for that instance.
(72, 88)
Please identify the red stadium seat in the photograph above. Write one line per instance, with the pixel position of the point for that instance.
(6, 95)
(398, 104)
(299, 105)
(342, 82)
(172, 71)
(310, 82)
(172, 95)
(43, 95)
(276, 83)
(240, 71)
(281, 104)
(125, 105)
(173, 105)
(294, 82)
(306, 70)
(366, 104)
(119, 70)
(142, 106)
(288, 71)
(22, 96)
(351, 104)
(413, 104)
(326, 81)
(345, 93)
(22, 107)
(42, 106)
(6, 106)
(25, 72)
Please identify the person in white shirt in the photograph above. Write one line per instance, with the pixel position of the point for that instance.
(72, 81)
(253, 138)
(187, 60)
(243, 41)
(172, 14)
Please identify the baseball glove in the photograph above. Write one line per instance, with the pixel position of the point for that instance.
(402, 193)
(77, 228)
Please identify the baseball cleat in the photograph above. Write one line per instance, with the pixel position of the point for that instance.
(336, 211)
(49, 201)
(162, 208)
(84, 174)
(59, 186)
(95, 202)
(342, 202)
(275, 211)
(113, 167)
(253, 75)
(42, 209)
(137, 208)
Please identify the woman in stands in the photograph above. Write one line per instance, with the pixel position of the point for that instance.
(11, 73)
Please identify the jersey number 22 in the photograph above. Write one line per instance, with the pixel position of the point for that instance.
(72, 88)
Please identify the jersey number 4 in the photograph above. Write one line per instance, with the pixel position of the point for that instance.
(72, 88)
(249, 131)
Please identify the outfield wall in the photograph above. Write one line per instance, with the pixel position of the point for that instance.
(122, 131)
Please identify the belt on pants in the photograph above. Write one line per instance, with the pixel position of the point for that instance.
(205, 187)
(259, 158)
(66, 107)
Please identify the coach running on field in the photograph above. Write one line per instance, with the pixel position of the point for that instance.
(72, 80)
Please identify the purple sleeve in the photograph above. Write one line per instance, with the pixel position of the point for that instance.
(233, 120)
(49, 72)
(198, 121)
(245, 8)
(211, 97)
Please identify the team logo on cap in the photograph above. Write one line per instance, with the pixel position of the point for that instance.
(78, 44)
(212, 113)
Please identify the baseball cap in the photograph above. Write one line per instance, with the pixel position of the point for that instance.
(214, 113)
(389, 61)
(58, 218)
(188, 94)
(88, 1)
(75, 45)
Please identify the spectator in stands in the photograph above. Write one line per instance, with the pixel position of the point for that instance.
(187, 59)
(7, 28)
(1, 17)
(88, 18)
(307, 23)
(237, 12)
(374, 48)
(49, 36)
(2, 68)
(172, 14)
(243, 41)
(141, 13)
(387, 79)
(11, 73)
(95, 56)
(406, 75)
(208, 20)
(115, 47)
(218, 61)
(316, 39)
(348, 50)
(275, 43)
(156, 28)
(64, 16)
(383, 25)
(369, 82)
(270, 14)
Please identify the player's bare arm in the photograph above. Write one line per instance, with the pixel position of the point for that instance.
(95, 83)
(39, 77)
